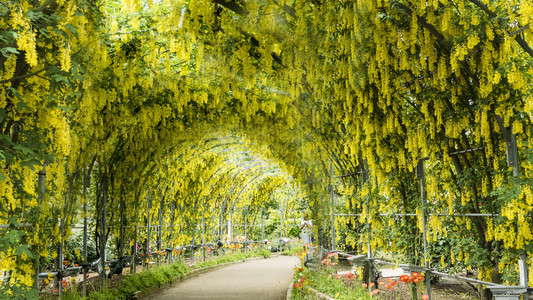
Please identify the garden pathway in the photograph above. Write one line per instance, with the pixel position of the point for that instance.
(255, 279)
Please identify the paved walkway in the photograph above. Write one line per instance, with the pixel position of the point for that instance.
(255, 279)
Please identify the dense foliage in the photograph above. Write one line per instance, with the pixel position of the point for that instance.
(202, 106)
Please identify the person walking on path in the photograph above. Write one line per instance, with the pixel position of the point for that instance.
(305, 228)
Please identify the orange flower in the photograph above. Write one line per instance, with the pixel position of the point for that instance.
(425, 297)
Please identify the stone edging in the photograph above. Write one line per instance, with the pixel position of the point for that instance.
(146, 292)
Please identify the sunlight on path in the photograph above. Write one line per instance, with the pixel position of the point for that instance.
(256, 279)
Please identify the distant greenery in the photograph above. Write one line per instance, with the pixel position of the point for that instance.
(232, 257)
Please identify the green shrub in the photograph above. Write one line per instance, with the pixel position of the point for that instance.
(164, 274)
(324, 282)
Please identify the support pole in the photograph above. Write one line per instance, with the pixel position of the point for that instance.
(103, 196)
(172, 209)
(183, 241)
(203, 235)
(60, 252)
(512, 160)
(421, 176)
(231, 224)
(85, 230)
(332, 198)
(41, 189)
(220, 229)
(281, 228)
(370, 259)
(192, 244)
(149, 205)
(135, 236)
(245, 231)
(522, 259)
(122, 221)
(159, 236)
(263, 226)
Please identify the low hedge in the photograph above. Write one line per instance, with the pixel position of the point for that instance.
(161, 275)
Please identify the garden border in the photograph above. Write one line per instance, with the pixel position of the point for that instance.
(143, 294)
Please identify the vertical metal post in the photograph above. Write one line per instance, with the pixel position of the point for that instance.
(370, 259)
(192, 244)
(512, 153)
(41, 189)
(421, 176)
(159, 234)
(365, 176)
(203, 235)
(263, 226)
(135, 236)
(220, 230)
(85, 229)
(103, 228)
(245, 230)
(149, 205)
(281, 226)
(231, 224)
(172, 208)
(184, 242)
(512, 160)
(60, 252)
(332, 198)
(122, 220)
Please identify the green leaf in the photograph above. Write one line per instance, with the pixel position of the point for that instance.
(24, 249)
(22, 106)
(24, 150)
(72, 29)
(59, 78)
(11, 50)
